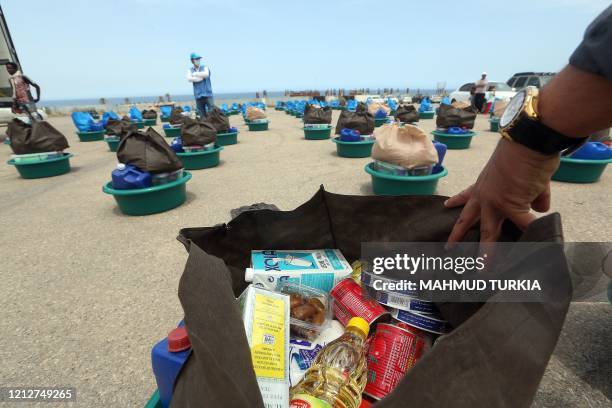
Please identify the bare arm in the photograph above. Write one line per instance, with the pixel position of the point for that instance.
(35, 85)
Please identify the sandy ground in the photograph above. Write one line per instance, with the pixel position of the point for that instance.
(87, 291)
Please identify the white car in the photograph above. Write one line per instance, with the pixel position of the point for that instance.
(495, 90)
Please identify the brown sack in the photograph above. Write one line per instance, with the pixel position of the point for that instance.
(39, 137)
(460, 105)
(407, 114)
(194, 133)
(406, 146)
(375, 106)
(449, 116)
(253, 113)
(148, 151)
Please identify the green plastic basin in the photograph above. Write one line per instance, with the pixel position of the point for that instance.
(226, 139)
(151, 200)
(353, 149)
(165, 119)
(154, 402)
(257, 127)
(7, 141)
(91, 136)
(172, 132)
(113, 144)
(580, 171)
(427, 115)
(200, 160)
(149, 122)
(140, 124)
(42, 169)
(317, 134)
(389, 184)
(455, 142)
(494, 124)
(378, 122)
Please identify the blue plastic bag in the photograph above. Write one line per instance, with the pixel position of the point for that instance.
(445, 101)
(380, 114)
(441, 149)
(350, 135)
(135, 114)
(425, 105)
(110, 115)
(96, 127)
(166, 110)
(83, 121)
(186, 108)
(593, 151)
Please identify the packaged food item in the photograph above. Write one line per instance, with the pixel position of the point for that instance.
(392, 351)
(338, 374)
(164, 178)
(198, 148)
(401, 301)
(266, 322)
(429, 322)
(350, 300)
(389, 168)
(35, 157)
(309, 309)
(316, 126)
(319, 268)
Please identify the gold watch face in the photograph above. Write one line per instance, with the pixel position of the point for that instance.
(513, 109)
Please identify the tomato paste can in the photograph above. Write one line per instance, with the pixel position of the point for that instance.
(350, 300)
(391, 353)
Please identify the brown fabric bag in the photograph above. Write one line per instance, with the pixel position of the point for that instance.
(406, 114)
(218, 120)
(406, 146)
(149, 114)
(195, 133)
(120, 128)
(253, 113)
(494, 357)
(316, 115)
(449, 116)
(460, 105)
(360, 120)
(39, 137)
(176, 117)
(148, 151)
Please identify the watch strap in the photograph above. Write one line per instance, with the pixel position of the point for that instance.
(539, 137)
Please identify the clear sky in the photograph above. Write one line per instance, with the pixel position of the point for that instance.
(108, 48)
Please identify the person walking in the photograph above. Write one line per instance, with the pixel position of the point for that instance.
(23, 102)
(199, 75)
(536, 128)
(480, 88)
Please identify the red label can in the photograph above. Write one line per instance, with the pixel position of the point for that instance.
(391, 353)
(351, 301)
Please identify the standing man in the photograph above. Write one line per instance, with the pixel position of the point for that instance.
(480, 87)
(22, 96)
(199, 75)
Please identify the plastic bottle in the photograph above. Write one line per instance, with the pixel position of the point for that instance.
(339, 373)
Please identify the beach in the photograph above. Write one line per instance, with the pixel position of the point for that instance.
(87, 291)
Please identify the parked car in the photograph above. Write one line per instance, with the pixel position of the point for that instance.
(522, 79)
(495, 90)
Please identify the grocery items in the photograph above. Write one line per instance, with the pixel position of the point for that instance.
(338, 375)
(351, 301)
(35, 157)
(396, 170)
(126, 177)
(309, 309)
(164, 178)
(266, 322)
(319, 268)
(148, 151)
(167, 359)
(360, 120)
(177, 145)
(350, 135)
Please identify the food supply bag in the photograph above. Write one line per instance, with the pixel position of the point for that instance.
(149, 114)
(83, 121)
(360, 120)
(135, 114)
(460, 105)
(448, 116)
(218, 120)
(176, 117)
(375, 107)
(253, 113)
(196, 133)
(494, 357)
(148, 151)
(39, 137)
(407, 114)
(406, 146)
(120, 128)
(314, 115)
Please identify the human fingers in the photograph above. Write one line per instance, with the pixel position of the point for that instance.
(468, 217)
(542, 202)
(459, 199)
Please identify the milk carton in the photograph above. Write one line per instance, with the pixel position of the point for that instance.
(318, 268)
(266, 321)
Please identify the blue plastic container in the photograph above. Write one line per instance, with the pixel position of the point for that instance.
(350, 135)
(593, 151)
(177, 145)
(456, 131)
(441, 148)
(166, 366)
(126, 177)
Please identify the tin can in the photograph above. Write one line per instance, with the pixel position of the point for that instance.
(401, 301)
(392, 352)
(428, 322)
(351, 301)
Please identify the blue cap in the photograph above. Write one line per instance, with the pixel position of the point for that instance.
(194, 56)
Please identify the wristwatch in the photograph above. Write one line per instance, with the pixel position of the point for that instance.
(520, 123)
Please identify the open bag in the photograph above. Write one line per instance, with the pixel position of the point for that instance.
(406, 146)
(149, 114)
(360, 120)
(148, 151)
(449, 116)
(494, 357)
(197, 133)
(314, 115)
(39, 137)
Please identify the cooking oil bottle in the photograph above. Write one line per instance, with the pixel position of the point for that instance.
(338, 375)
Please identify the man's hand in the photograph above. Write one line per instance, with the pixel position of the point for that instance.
(515, 180)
